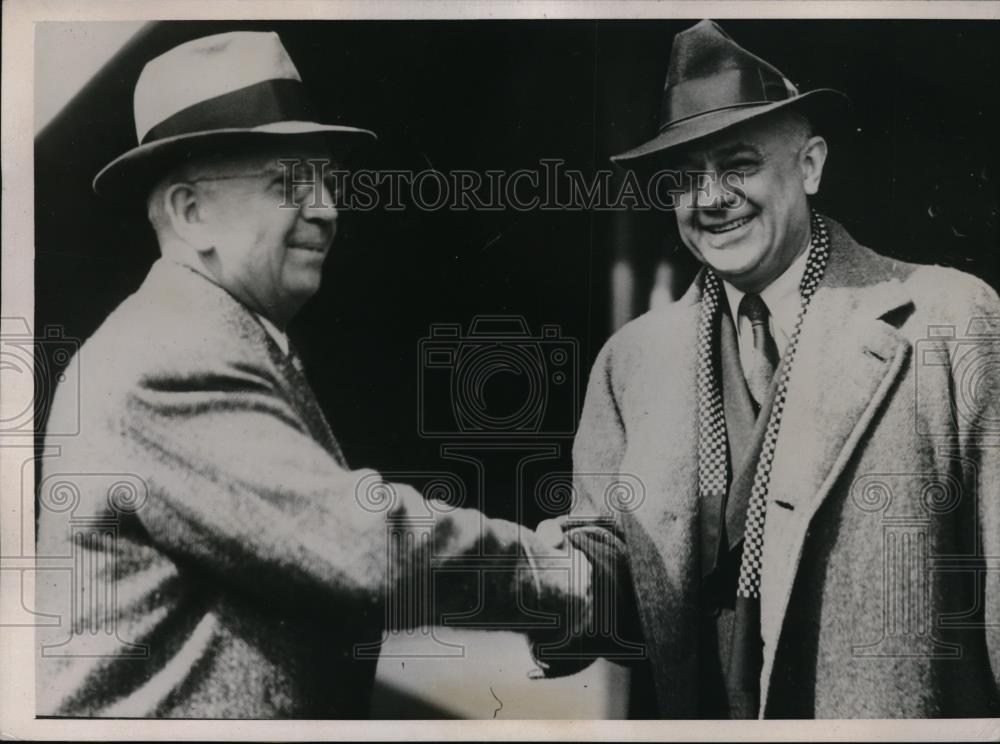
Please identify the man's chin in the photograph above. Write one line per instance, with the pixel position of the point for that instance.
(731, 262)
(304, 292)
(301, 288)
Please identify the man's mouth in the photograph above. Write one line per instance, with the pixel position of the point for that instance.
(311, 247)
(728, 226)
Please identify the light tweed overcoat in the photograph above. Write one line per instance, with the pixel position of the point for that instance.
(881, 575)
(207, 551)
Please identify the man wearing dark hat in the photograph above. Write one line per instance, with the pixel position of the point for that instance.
(808, 441)
(228, 562)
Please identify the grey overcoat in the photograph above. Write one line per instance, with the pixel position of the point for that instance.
(209, 553)
(881, 566)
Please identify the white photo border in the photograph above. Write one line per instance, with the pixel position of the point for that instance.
(17, 668)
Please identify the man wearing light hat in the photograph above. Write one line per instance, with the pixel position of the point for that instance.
(228, 562)
(821, 523)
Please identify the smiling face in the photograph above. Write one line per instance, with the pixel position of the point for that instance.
(263, 244)
(775, 164)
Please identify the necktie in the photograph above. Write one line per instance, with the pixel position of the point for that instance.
(746, 657)
(765, 358)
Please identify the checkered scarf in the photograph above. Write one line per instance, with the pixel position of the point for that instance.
(713, 459)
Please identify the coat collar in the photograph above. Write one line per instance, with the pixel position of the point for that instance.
(247, 341)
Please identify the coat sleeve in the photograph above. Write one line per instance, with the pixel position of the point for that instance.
(241, 493)
(595, 526)
(977, 407)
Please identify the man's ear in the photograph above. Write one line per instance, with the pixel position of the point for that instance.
(811, 161)
(185, 211)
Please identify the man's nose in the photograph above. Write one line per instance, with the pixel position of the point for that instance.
(710, 192)
(319, 204)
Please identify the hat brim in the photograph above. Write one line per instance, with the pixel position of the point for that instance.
(131, 175)
(821, 106)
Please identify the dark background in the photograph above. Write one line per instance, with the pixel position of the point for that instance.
(914, 175)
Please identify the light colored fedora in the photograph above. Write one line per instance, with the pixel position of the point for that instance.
(231, 90)
(713, 83)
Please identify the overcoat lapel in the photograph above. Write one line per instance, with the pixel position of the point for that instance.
(300, 392)
(175, 282)
(847, 360)
(312, 413)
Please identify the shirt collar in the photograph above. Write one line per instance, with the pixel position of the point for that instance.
(279, 336)
(781, 296)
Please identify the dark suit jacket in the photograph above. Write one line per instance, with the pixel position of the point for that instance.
(223, 560)
(880, 585)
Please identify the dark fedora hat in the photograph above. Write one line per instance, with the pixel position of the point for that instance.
(217, 94)
(713, 83)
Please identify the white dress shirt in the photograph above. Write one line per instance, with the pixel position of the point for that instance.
(783, 302)
(279, 336)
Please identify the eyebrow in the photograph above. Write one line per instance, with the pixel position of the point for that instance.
(738, 149)
(721, 153)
